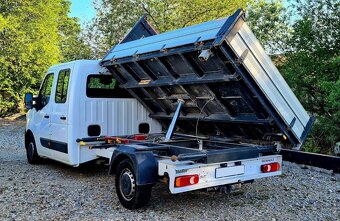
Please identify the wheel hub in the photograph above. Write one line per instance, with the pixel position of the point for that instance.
(127, 184)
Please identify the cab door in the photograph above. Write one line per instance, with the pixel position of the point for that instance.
(42, 117)
(59, 116)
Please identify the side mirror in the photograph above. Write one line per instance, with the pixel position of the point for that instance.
(28, 100)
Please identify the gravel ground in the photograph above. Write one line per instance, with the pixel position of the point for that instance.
(54, 191)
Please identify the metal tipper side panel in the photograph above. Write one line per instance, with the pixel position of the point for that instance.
(262, 70)
(172, 39)
(228, 89)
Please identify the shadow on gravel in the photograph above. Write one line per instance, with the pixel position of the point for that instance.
(88, 169)
(161, 197)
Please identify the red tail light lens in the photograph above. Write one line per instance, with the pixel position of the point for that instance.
(271, 167)
(187, 180)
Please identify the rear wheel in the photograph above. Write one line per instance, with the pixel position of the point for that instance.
(31, 151)
(131, 195)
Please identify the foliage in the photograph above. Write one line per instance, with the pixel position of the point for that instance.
(72, 44)
(115, 17)
(33, 36)
(305, 36)
(312, 68)
(306, 39)
(269, 20)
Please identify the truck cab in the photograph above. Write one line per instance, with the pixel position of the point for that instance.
(77, 100)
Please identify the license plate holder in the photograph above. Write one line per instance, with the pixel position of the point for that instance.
(229, 171)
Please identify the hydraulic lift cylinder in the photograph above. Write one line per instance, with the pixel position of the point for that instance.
(173, 121)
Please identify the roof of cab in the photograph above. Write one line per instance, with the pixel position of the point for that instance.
(75, 62)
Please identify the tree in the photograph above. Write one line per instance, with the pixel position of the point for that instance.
(33, 36)
(312, 68)
(269, 20)
(72, 44)
(306, 38)
(115, 17)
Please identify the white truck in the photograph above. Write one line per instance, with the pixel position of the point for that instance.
(199, 107)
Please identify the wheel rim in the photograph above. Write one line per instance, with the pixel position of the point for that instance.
(127, 184)
(30, 150)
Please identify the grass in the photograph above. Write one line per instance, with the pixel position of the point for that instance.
(262, 197)
(3, 189)
(238, 204)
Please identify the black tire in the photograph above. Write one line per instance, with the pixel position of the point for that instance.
(31, 151)
(130, 195)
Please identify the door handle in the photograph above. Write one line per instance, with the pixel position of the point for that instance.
(46, 116)
(62, 118)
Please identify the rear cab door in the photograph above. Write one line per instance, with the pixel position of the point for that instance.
(59, 115)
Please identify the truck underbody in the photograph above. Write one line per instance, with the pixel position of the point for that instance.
(208, 162)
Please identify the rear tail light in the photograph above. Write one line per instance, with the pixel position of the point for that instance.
(187, 180)
(271, 167)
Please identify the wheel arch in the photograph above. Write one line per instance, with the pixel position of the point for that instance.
(144, 163)
(28, 136)
(115, 160)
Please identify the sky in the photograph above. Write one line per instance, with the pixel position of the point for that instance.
(83, 9)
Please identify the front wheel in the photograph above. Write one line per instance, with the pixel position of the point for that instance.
(31, 151)
(131, 195)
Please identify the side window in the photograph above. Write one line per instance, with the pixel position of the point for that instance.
(62, 86)
(104, 86)
(46, 89)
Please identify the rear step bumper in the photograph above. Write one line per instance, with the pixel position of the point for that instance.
(217, 174)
